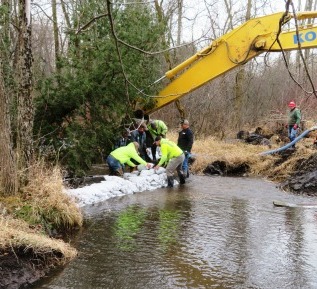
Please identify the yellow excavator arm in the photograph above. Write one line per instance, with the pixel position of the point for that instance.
(235, 48)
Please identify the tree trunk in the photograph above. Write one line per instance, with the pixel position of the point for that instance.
(25, 110)
(7, 169)
(163, 20)
(179, 21)
(180, 107)
(8, 177)
(298, 65)
(66, 16)
(56, 35)
(240, 95)
(228, 5)
(308, 7)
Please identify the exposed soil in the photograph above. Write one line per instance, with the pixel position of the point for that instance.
(224, 169)
(304, 179)
(20, 268)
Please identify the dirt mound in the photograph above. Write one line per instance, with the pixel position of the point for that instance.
(224, 169)
(304, 179)
(307, 165)
(19, 269)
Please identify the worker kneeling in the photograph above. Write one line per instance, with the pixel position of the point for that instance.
(123, 155)
(173, 156)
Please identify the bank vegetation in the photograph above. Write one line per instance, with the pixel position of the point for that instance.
(238, 158)
(36, 225)
(70, 78)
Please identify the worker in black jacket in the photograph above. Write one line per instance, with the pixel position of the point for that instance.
(185, 142)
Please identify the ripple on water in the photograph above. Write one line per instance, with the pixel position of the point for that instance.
(211, 233)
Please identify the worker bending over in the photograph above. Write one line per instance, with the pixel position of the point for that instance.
(123, 155)
(173, 156)
(155, 128)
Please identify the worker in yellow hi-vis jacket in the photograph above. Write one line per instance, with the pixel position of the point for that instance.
(123, 155)
(173, 156)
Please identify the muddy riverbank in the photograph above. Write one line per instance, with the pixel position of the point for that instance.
(20, 269)
(293, 171)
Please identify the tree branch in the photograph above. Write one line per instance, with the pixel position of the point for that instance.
(90, 22)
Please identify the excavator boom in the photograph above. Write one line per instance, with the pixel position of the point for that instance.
(235, 48)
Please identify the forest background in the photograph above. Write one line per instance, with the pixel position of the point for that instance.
(71, 72)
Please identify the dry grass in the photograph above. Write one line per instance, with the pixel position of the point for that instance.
(45, 199)
(17, 234)
(234, 153)
(282, 171)
(41, 208)
(210, 150)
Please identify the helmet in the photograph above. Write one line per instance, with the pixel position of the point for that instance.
(292, 104)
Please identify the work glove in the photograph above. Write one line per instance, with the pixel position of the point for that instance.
(295, 126)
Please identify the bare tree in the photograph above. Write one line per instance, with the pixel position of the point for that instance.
(308, 7)
(163, 18)
(179, 21)
(239, 97)
(7, 170)
(56, 34)
(25, 109)
(8, 178)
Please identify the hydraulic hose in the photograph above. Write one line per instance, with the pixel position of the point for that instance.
(289, 144)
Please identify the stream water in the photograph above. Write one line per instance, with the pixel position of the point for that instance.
(213, 232)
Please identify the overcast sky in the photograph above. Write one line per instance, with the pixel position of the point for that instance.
(196, 24)
(197, 27)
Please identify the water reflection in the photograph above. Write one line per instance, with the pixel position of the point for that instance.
(169, 228)
(128, 224)
(293, 243)
(211, 233)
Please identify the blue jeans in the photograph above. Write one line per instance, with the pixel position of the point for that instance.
(113, 164)
(292, 133)
(185, 164)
